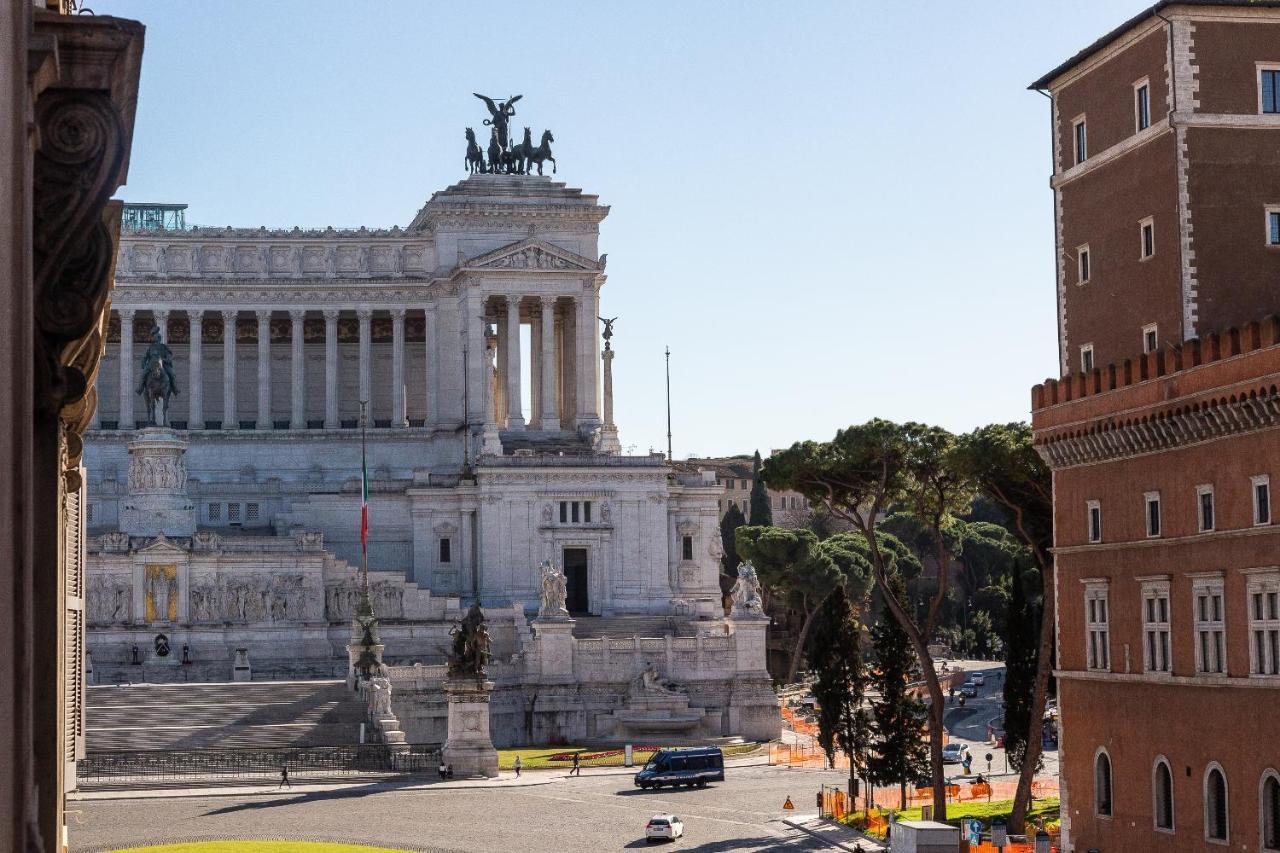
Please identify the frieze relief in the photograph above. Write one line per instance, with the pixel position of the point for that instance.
(184, 257)
(257, 597)
(157, 473)
(342, 599)
(110, 599)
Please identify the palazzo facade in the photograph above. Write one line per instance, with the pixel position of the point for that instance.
(277, 337)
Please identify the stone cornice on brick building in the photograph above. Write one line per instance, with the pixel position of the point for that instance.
(1204, 390)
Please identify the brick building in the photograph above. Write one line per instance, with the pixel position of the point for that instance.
(1164, 431)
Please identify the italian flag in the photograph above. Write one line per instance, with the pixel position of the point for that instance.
(364, 505)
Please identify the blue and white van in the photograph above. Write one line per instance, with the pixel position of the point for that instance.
(675, 767)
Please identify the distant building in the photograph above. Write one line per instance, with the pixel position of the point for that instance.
(1163, 432)
(790, 509)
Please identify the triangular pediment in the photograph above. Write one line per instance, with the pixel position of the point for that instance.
(161, 545)
(532, 254)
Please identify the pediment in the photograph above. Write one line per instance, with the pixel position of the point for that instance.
(532, 254)
(161, 545)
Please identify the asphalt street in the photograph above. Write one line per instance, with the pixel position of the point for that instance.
(968, 725)
(588, 813)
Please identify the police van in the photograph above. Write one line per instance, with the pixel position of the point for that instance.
(676, 767)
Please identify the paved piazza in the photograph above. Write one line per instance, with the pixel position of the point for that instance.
(595, 812)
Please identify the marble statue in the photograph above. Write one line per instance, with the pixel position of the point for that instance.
(746, 592)
(650, 682)
(554, 593)
(379, 696)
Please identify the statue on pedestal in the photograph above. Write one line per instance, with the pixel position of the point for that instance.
(746, 592)
(158, 383)
(651, 683)
(471, 645)
(554, 593)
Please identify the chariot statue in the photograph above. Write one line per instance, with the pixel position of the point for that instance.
(158, 383)
(500, 114)
(746, 592)
(471, 646)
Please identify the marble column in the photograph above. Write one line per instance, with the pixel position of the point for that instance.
(398, 420)
(229, 370)
(161, 319)
(535, 369)
(550, 411)
(431, 366)
(588, 361)
(264, 369)
(297, 368)
(331, 368)
(515, 416)
(195, 385)
(479, 409)
(127, 369)
(365, 316)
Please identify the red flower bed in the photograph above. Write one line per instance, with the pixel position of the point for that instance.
(592, 756)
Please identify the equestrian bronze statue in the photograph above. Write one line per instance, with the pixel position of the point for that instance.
(158, 383)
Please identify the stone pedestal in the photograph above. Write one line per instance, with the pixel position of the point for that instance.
(468, 745)
(555, 649)
(240, 670)
(157, 502)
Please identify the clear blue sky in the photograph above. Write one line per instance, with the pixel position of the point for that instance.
(829, 211)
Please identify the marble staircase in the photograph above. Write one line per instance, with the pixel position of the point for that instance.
(247, 715)
(590, 627)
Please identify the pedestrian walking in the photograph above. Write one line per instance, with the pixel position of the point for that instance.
(284, 779)
(577, 766)
(519, 764)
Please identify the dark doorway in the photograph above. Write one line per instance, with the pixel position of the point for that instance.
(575, 575)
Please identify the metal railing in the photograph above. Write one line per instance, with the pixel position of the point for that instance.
(161, 765)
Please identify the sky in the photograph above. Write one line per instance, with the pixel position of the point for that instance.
(828, 211)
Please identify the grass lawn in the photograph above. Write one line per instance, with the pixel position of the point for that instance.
(539, 757)
(258, 847)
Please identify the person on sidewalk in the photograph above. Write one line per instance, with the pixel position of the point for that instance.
(284, 779)
(519, 764)
(577, 766)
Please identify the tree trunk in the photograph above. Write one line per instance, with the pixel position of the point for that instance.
(902, 804)
(1044, 665)
(794, 666)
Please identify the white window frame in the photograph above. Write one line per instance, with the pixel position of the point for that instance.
(1097, 625)
(1157, 642)
(1259, 67)
(1087, 364)
(1143, 225)
(1080, 133)
(1263, 481)
(1268, 774)
(1208, 594)
(1155, 797)
(1271, 210)
(1149, 498)
(1262, 608)
(1204, 798)
(1093, 509)
(1084, 258)
(1138, 86)
(1202, 490)
(1147, 331)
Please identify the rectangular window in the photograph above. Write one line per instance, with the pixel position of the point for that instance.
(1150, 338)
(233, 513)
(93, 511)
(1261, 499)
(1097, 630)
(446, 550)
(1153, 513)
(1142, 104)
(1147, 238)
(574, 511)
(251, 512)
(1082, 140)
(1269, 86)
(586, 512)
(215, 512)
(1086, 358)
(564, 512)
(1095, 521)
(686, 548)
(1264, 624)
(1204, 506)
(1155, 626)
(1273, 226)
(1082, 264)
(1210, 628)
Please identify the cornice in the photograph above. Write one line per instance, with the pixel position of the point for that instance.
(1166, 541)
(1265, 682)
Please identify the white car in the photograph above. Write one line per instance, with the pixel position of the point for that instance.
(954, 753)
(666, 826)
(979, 678)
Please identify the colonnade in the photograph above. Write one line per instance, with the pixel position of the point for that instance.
(563, 369)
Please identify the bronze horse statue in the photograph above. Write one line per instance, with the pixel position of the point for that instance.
(540, 154)
(475, 157)
(495, 153)
(156, 391)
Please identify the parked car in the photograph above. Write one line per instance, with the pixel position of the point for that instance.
(676, 767)
(979, 678)
(954, 753)
(969, 689)
(661, 826)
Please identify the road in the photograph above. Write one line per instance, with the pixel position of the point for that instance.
(968, 725)
(594, 812)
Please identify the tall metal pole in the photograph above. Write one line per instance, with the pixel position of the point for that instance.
(670, 456)
(364, 550)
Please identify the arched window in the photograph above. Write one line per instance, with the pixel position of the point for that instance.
(1162, 793)
(1102, 784)
(1215, 804)
(1269, 811)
